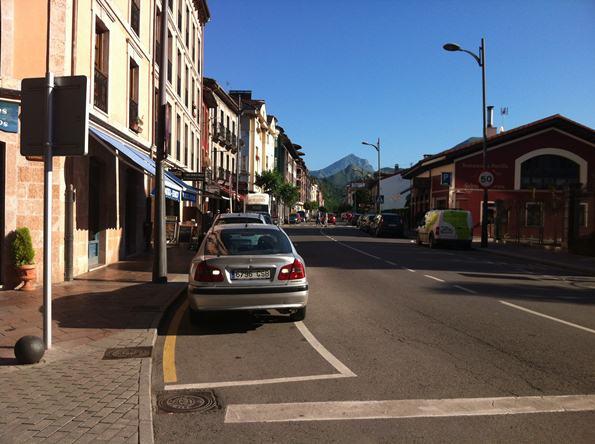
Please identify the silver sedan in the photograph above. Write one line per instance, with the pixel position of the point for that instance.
(248, 267)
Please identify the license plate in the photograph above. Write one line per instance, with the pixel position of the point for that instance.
(244, 275)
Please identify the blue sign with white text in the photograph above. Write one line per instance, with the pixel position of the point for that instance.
(9, 117)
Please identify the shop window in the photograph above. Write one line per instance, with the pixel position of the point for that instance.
(135, 16)
(583, 209)
(533, 214)
(133, 118)
(100, 90)
(549, 171)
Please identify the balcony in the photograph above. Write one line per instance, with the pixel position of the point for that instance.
(228, 137)
(100, 90)
(221, 133)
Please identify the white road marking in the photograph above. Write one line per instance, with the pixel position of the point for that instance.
(409, 269)
(353, 248)
(408, 408)
(391, 263)
(344, 371)
(435, 278)
(465, 289)
(207, 385)
(551, 318)
(321, 349)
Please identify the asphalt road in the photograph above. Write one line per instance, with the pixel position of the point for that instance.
(461, 346)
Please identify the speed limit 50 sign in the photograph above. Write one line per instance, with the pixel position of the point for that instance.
(486, 179)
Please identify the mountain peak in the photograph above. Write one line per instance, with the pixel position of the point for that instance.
(351, 160)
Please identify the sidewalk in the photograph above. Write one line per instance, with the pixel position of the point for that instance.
(560, 259)
(73, 394)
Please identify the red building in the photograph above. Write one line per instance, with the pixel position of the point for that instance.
(544, 187)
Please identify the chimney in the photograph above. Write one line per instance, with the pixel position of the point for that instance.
(490, 130)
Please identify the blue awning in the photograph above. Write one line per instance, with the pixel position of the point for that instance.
(173, 190)
(189, 193)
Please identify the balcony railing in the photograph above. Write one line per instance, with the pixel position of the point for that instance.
(221, 132)
(228, 136)
(100, 90)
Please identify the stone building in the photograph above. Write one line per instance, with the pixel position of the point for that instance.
(101, 202)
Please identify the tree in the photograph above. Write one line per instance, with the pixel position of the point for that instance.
(269, 181)
(289, 194)
(311, 205)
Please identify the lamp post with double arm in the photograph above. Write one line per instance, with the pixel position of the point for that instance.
(377, 147)
(481, 61)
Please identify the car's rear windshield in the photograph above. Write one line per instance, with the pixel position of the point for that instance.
(246, 241)
(393, 219)
(238, 220)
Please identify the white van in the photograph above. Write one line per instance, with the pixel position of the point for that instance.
(446, 227)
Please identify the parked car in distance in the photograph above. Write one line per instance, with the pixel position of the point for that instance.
(446, 227)
(364, 222)
(354, 219)
(238, 218)
(331, 219)
(294, 218)
(387, 225)
(247, 267)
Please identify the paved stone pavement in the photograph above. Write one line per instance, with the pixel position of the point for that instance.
(73, 394)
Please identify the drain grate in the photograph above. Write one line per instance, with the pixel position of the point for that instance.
(187, 401)
(128, 353)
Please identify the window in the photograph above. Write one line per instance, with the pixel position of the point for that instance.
(170, 4)
(157, 49)
(582, 214)
(186, 146)
(191, 165)
(549, 171)
(178, 131)
(133, 120)
(187, 87)
(230, 242)
(187, 30)
(135, 16)
(233, 165)
(170, 54)
(193, 43)
(533, 214)
(198, 56)
(156, 115)
(101, 66)
(179, 73)
(180, 16)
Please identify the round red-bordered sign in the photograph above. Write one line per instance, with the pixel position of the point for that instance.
(486, 179)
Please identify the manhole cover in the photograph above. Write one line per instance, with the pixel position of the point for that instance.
(186, 402)
(128, 352)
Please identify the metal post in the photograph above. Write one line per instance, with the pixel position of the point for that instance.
(378, 196)
(47, 216)
(160, 247)
(484, 218)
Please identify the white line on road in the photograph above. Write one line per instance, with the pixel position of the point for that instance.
(409, 269)
(435, 278)
(408, 408)
(321, 349)
(551, 318)
(465, 289)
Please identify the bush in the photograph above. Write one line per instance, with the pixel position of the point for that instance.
(22, 248)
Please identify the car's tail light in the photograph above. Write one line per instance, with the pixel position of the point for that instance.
(207, 273)
(292, 271)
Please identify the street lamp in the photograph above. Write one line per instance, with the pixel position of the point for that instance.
(481, 61)
(377, 147)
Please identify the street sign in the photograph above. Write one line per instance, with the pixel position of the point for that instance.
(9, 116)
(486, 179)
(191, 176)
(70, 116)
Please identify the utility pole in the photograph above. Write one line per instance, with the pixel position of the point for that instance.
(159, 245)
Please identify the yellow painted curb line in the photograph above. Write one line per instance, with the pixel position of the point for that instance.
(169, 347)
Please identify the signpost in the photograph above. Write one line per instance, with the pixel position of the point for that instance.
(486, 179)
(54, 122)
(194, 176)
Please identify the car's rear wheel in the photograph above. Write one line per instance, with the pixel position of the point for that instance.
(298, 315)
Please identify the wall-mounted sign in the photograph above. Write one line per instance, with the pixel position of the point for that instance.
(9, 116)
(446, 178)
(486, 179)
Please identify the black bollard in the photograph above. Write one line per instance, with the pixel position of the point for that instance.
(29, 350)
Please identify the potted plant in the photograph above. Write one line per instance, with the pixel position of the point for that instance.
(24, 256)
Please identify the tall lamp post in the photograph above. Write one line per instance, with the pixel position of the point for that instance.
(481, 61)
(377, 147)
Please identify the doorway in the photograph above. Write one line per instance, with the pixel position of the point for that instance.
(95, 175)
(130, 218)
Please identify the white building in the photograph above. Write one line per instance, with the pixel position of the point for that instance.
(395, 190)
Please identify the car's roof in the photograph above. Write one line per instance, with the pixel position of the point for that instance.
(253, 215)
(248, 226)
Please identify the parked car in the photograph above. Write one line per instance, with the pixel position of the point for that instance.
(302, 215)
(331, 219)
(294, 218)
(446, 227)
(247, 267)
(238, 218)
(354, 219)
(387, 225)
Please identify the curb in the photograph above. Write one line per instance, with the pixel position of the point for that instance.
(145, 404)
(576, 268)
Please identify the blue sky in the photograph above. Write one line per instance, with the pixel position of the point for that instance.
(336, 72)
